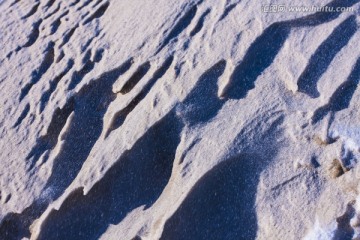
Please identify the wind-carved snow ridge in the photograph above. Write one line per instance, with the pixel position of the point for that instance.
(196, 119)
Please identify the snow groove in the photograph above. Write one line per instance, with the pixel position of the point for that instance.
(32, 11)
(203, 103)
(53, 12)
(98, 13)
(74, 3)
(135, 78)
(258, 57)
(200, 23)
(89, 65)
(179, 27)
(49, 3)
(53, 84)
(34, 35)
(90, 105)
(119, 117)
(67, 36)
(22, 115)
(86, 3)
(226, 212)
(56, 24)
(37, 74)
(323, 56)
(341, 98)
(50, 139)
(245, 74)
(14, 3)
(111, 198)
(227, 10)
(68, 162)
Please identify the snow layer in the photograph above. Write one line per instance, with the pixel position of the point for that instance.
(193, 119)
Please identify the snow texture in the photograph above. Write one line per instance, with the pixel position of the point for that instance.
(192, 119)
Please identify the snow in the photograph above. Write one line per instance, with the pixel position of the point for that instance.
(166, 119)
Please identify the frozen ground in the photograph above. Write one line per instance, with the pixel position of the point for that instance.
(187, 119)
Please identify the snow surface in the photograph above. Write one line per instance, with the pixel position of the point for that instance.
(192, 119)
